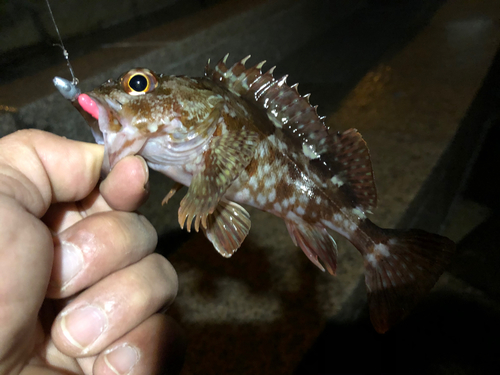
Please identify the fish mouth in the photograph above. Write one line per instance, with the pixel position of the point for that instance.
(98, 123)
(109, 129)
(106, 111)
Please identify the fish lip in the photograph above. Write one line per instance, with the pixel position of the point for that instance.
(106, 103)
(108, 108)
(102, 121)
(106, 132)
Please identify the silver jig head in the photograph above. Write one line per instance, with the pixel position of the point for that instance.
(67, 88)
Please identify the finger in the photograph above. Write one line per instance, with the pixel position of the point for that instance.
(156, 346)
(114, 306)
(124, 187)
(96, 247)
(122, 190)
(38, 168)
(61, 216)
(25, 263)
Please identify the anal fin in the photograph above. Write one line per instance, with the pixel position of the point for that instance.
(227, 227)
(315, 242)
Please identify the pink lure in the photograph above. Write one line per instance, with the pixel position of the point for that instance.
(88, 105)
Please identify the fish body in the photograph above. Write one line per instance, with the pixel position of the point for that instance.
(240, 136)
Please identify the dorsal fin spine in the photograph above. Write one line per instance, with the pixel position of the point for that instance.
(260, 65)
(245, 59)
(285, 106)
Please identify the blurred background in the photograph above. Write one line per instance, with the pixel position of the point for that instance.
(419, 79)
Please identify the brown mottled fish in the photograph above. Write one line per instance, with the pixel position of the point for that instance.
(239, 135)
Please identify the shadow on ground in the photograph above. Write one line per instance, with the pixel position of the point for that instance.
(448, 334)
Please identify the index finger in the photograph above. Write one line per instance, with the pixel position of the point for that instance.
(39, 168)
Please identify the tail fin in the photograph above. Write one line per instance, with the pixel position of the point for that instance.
(400, 269)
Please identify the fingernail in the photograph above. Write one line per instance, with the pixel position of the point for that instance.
(146, 170)
(83, 326)
(68, 263)
(122, 360)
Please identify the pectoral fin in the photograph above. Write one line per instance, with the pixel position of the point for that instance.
(227, 227)
(226, 157)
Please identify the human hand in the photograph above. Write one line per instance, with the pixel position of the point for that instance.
(79, 285)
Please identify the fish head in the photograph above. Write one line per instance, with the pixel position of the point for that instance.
(125, 113)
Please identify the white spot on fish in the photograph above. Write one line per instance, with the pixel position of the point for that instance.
(153, 126)
(261, 199)
(253, 182)
(277, 207)
(382, 249)
(259, 173)
(360, 214)
(336, 181)
(262, 150)
(245, 193)
(372, 259)
(350, 225)
(272, 195)
(300, 210)
(309, 151)
(229, 111)
(303, 198)
(280, 145)
(270, 181)
(292, 216)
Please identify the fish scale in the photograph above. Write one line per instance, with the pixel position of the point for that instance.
(240, 136)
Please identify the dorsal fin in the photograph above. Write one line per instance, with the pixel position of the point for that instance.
(286, 108)
(337, 161)
(349, 161)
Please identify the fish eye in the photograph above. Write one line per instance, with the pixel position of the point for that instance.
(139, 81)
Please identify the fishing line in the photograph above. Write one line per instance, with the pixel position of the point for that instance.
(61, 44)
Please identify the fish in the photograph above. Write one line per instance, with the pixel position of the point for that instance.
(239, 136)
